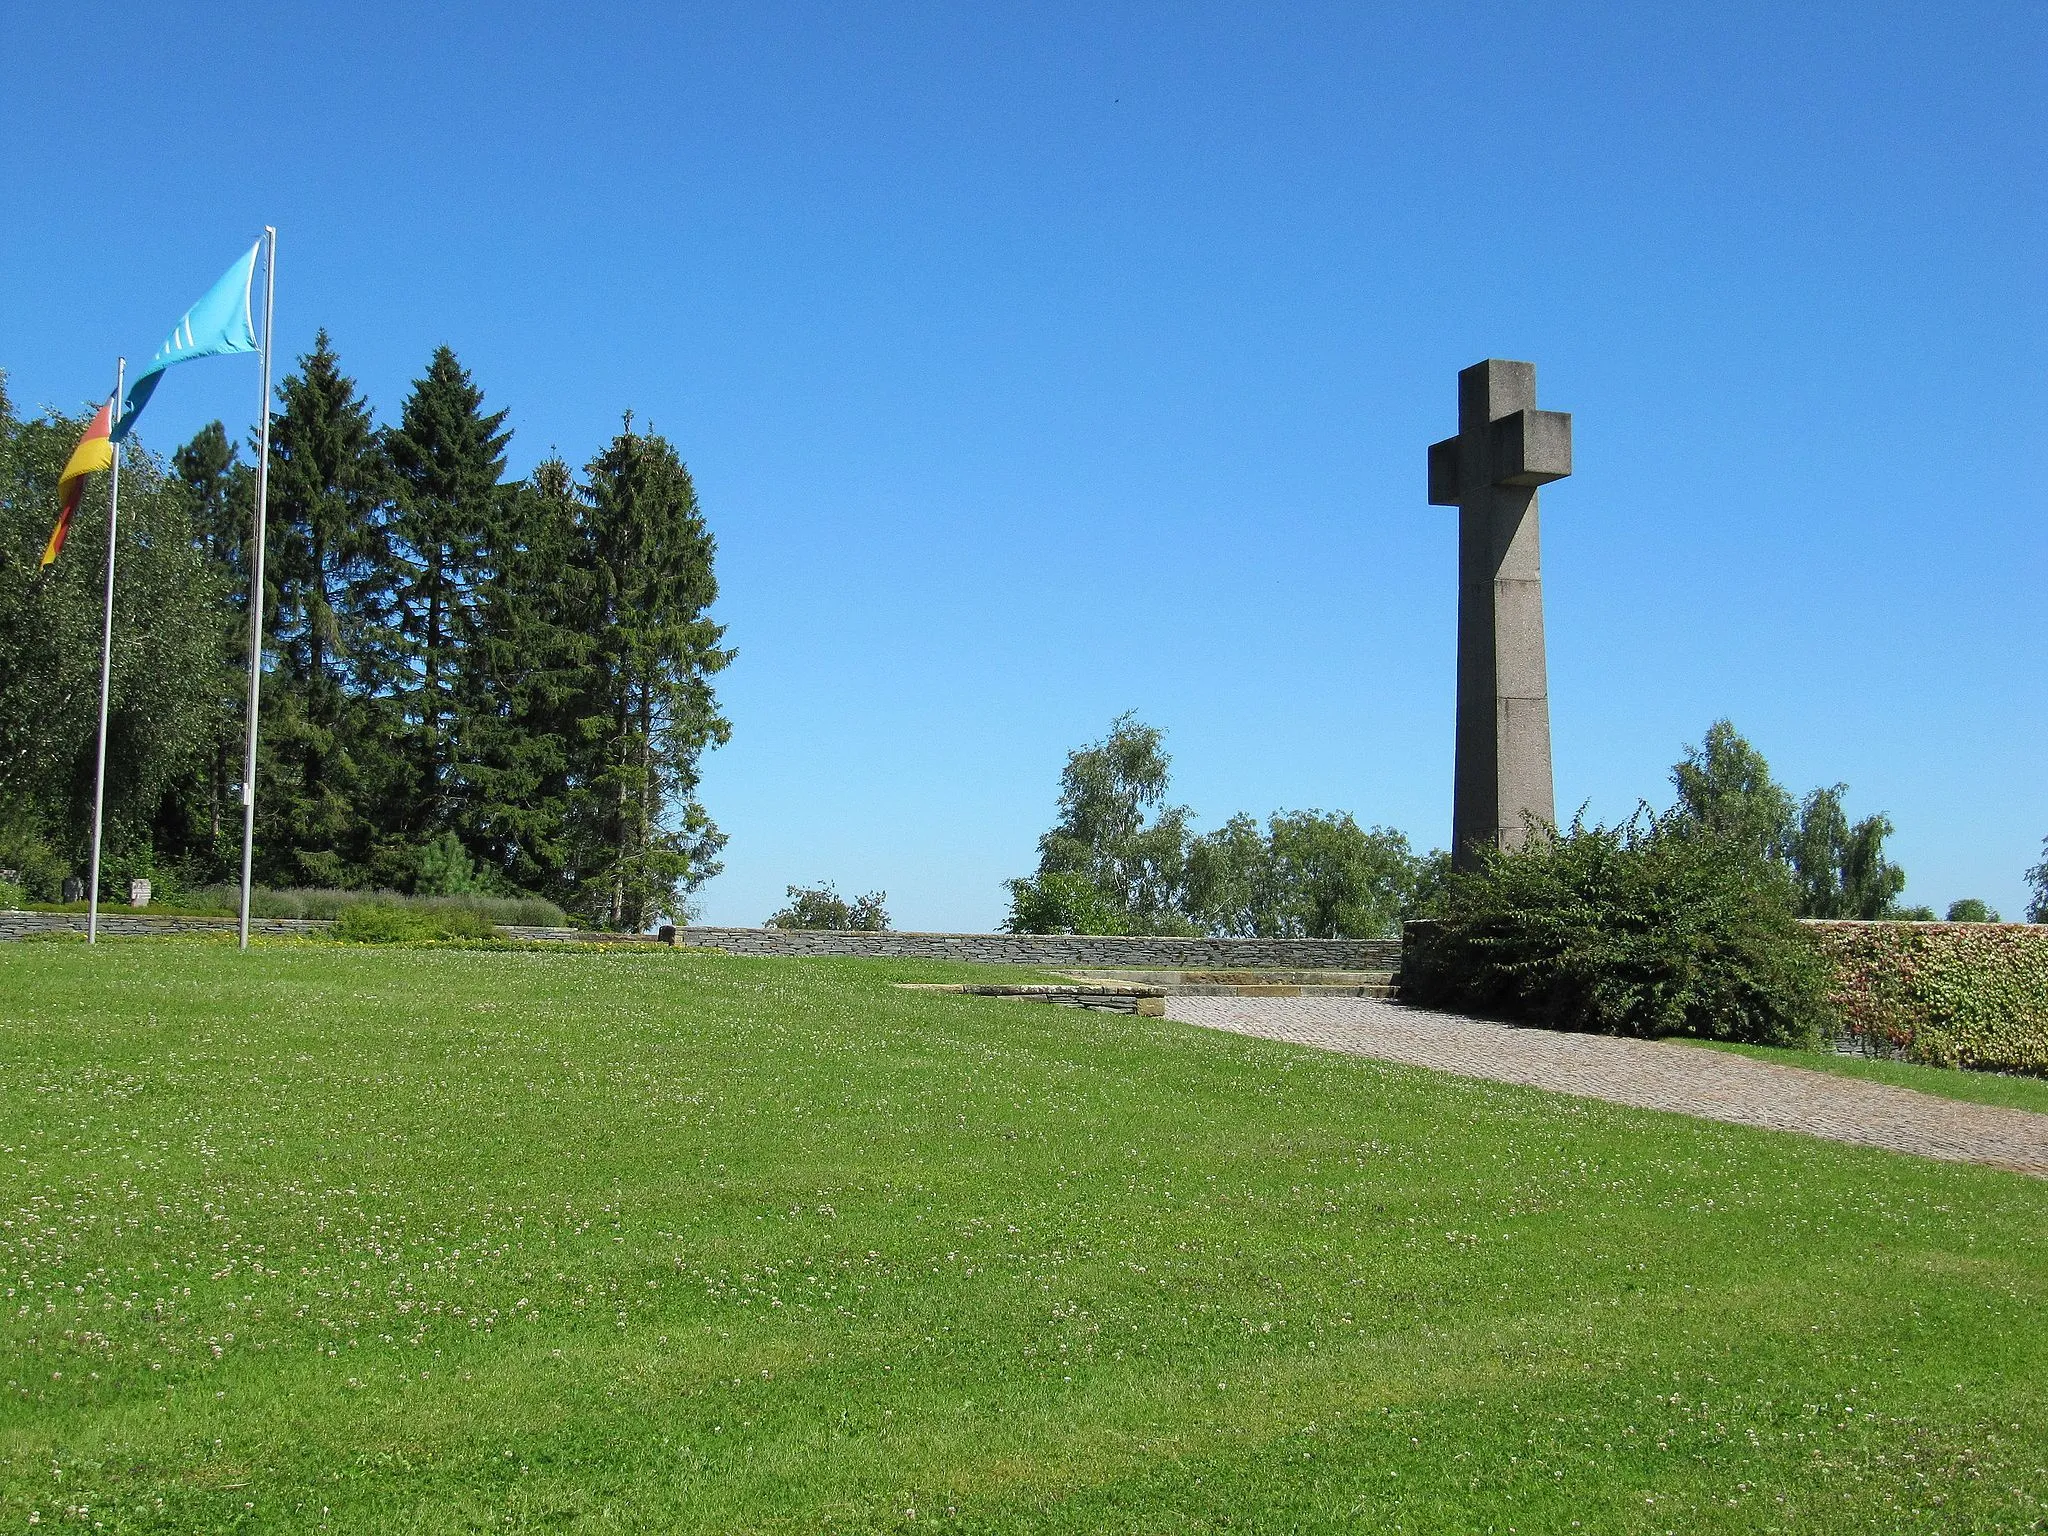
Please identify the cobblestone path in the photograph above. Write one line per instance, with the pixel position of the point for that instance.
(1713, 1085)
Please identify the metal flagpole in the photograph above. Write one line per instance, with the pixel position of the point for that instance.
(256, 582)
(99, 780)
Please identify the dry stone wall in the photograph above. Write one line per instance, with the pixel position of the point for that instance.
(1060, 950)
(118, 924)
(1057, 951)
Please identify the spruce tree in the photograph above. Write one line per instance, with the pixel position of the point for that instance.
(218, 491)
(448, 461)
(648, 712)
(215, 485)
(328, 485)
(527, 670)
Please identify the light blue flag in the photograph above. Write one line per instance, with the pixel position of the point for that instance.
(220, 322)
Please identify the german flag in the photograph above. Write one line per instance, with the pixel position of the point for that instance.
(95, 450)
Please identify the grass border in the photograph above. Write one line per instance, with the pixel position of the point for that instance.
(2003, 1090)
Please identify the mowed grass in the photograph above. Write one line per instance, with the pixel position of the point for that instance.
(321, 1237)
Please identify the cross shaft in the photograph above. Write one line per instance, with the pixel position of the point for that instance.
(1505, 449)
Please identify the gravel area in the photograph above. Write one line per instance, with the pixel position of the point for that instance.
(1713, 1085)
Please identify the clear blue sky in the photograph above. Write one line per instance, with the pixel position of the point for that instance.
(1041, 362)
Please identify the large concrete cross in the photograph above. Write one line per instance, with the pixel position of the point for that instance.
(1504, 449)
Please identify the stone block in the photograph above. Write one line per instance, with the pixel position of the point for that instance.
(1531, 447)
(1444, 473)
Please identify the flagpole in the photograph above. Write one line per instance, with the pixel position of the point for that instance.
(256, 582)
(99, 779)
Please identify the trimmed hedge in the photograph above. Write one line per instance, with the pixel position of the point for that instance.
(1950, 994)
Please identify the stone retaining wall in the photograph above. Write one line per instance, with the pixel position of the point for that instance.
(1043, 950)
(127, 923)
(1059, 950)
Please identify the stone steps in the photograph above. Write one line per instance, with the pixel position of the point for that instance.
(1104, 997)
(1249, 983)
(1382, 989)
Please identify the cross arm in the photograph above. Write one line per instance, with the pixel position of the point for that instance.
(1529, 448)
(1444, 473)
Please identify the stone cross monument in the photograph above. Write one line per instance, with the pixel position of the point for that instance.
(1504, 449)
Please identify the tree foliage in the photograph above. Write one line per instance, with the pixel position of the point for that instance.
(1725, 786)
(822, 907)
(169, 675)
(1971, 910)
(1310, 875)
(1121, 859)
(646, 708)
(2037, 878)
(470, 684)
(1839, 868)
(1116, 839)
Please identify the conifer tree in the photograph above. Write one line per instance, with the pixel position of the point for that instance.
(448, 459)
(327, 548)
(468, 684)
(218, 491)
(649, 714)
(526, 671)
(214, 482)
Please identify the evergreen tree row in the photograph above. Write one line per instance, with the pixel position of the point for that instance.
(470, 682)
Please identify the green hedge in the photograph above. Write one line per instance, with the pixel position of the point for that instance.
(1951, 994)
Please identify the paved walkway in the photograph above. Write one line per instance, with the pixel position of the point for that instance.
(1713, 1085)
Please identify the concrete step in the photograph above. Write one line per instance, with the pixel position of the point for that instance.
(1119, 994)
(1285, 989)
(1248, 983)
(1105, 996)
(1243, 977)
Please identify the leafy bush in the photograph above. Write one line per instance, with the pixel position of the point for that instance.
(1951, 996)
(516, 911)
(122, 909)
(391, 922)
(1971, 910)
(11, 896)
(26, 858)
(822, 907)
(1063, 902)
(1654, 927)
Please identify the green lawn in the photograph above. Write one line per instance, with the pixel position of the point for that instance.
(1950, 1083)
(424, 1241)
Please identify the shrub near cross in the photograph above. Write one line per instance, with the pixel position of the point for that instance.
(1654, 927)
